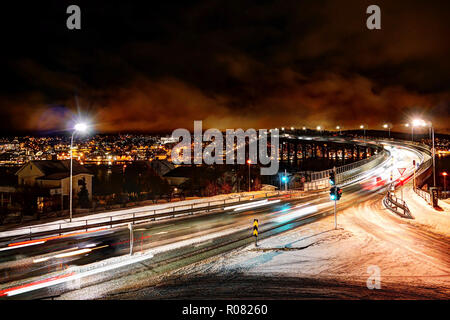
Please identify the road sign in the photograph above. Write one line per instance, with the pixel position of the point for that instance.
(255, 231)
(255, 227)
(401, 170)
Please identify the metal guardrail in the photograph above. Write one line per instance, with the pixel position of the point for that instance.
(397, 205)
(444, 195)
(345, 173)
(423, 194)
(141, 216)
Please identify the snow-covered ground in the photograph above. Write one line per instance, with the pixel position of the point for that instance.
(426, 216)
(316, 261)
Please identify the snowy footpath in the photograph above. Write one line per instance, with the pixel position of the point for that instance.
(409, 259)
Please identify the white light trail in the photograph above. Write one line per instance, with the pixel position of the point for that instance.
(78, 276)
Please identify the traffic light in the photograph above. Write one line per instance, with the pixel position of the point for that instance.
(335, 193)
(284, 179)
(339, 193)
(332, 178)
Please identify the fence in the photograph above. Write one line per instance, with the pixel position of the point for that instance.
(137, 216)
(397, 205)
(444, 195)
(344, 173)
(423, 194)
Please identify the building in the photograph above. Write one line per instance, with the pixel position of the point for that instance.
(55, 176)
(162, 167)
(179, 175)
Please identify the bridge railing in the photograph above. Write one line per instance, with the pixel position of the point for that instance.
(320, 180)
(135, 217)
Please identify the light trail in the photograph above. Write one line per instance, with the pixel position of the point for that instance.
(69, 277)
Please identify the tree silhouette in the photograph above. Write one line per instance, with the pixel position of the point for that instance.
(83, 194)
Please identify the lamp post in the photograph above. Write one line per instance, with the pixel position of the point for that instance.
(422, 123)
(364, 127)
(319, 128)
(79, 127)
(416, 123)
(339, 128)
(387, 126)
(249, 162)
(445, 180)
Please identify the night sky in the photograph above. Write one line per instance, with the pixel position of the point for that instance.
(154, 66)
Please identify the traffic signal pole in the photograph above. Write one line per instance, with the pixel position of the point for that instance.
(335, 200)
(335, 216)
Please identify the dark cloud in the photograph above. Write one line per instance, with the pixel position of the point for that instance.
(232, 64)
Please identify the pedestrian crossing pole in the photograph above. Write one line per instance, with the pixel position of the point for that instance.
(255, 231)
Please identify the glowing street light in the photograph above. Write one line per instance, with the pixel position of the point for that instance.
(339, 128)
(387, 126)
(445, 180)
(364, 127)
(80, 127)
(422, 123)
(417, 123)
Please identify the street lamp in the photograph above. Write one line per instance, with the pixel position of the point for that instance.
(249, 162)
(445, 180)
(319, 128)
(416, 123)
(81, 128)
(412, 130)
(364, 127)
(422, 123)
(387, 126)
(339, 128)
